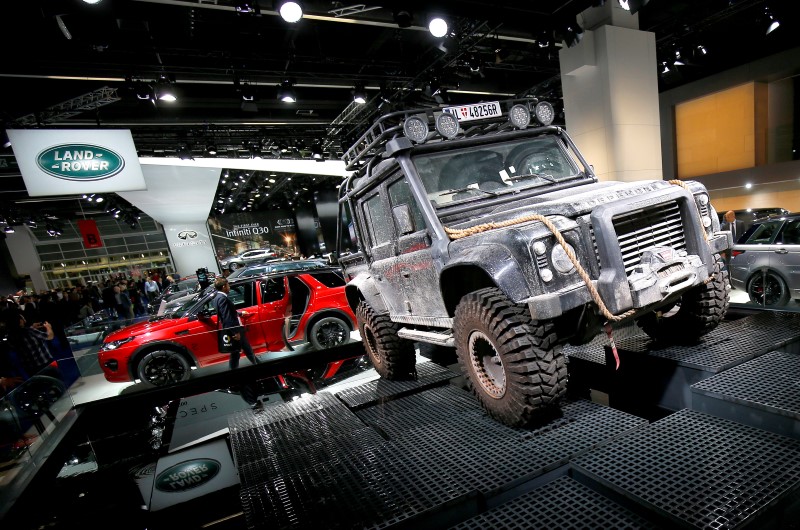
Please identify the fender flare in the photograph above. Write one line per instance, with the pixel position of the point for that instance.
(362, 287)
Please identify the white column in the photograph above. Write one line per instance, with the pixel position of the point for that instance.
(190, 245)
(610, 86)
(26, 260)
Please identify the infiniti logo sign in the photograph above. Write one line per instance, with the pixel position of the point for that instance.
(187, 234)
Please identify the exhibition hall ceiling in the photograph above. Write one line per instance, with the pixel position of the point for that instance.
(72, 64)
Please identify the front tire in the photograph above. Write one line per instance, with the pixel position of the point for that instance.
(392, 357)
(163, 367)
(767, 289)
(701, 310)
(328, 332)
(513, 364)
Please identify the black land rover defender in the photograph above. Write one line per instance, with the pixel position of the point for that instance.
(480, 228)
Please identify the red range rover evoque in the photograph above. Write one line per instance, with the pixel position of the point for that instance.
(291, 307)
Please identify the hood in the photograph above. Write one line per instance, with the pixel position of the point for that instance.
(570, 202)
(143, 327)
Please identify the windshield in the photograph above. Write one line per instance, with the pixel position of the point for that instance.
(489, 170)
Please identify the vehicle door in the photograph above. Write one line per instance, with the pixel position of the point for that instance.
(275, 303)
(753, 255)
(786, 255)
(252, 256)
(382, 250)
(414, 263)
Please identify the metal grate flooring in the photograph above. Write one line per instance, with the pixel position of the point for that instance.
(697, 469)
(428, 374)
(562, 503)
(771, 381)
(731, 343)
(594, 350)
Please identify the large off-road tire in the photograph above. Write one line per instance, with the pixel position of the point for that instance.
(163, 367)
(392, 357)
(767, 289)
(328, 332)
(512, 363)
(700, 311)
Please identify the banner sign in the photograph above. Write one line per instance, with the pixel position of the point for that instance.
(89, 233)
(71, 162)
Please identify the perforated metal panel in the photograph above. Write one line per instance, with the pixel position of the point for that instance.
(697, 469)
(247, 419)
(562, 503)
(428, 374)
(594, 350)
(731, 343)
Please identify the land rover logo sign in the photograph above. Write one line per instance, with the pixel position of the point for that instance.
(187, 475)
(82, 162)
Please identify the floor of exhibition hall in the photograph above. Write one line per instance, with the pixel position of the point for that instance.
(703, 435)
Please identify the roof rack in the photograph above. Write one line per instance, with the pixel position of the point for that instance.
(389, 126)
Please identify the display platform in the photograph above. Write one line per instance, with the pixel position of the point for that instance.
(423, 453)
(662, 374)
(763, 392)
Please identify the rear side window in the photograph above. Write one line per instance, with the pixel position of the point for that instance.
(762, 233)
(272, 290)
(791, 233)
(329, 278)
(242, 295)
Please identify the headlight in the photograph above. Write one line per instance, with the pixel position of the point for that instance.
(561, 261)
(114, 344)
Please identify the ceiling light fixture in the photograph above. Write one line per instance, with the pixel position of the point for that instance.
(211, 150)
(359, 94)
(164, 90)
(5, 139)
(291, 11)
(438, 27)
(774, 23)
(317, 153)
(286, 92)
(248, 8)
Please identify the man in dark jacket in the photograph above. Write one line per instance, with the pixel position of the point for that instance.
(229, 322)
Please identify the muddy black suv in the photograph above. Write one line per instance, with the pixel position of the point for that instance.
(484, 228)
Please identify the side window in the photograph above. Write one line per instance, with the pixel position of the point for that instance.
(242, 295)
(328, 278)
(764, 232)
(400, 193)
(377, 221)
(272, 290)
(791, 233)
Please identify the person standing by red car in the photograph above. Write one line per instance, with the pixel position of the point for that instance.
(229, 322)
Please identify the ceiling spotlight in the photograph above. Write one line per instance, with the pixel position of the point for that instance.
(678, 60)
(359, 94)
(544, 40)
(6, 141)
(164, 90)
(317, 153)
(143, 91)
(248, 93)
(774, 23)
(438, 27)
(402, 18)
(211, 150)
(248, 7)
(9, 229)
(624, 5)
(92, 1)
(286, 92)
(291, 11)
(99, 199)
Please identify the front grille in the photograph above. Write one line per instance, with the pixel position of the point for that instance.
(637, 231)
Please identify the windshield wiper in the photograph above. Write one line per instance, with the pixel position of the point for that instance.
(461, 190)
(543, 176)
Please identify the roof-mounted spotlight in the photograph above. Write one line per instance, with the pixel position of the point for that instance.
(286, 92)
(545, 114)
(438, 27)
(290, 10)
(519, 116)
(447, 125)
(415, 128)
(359, 94)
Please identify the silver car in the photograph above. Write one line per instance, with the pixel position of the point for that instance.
(766, 261)
(248, 257)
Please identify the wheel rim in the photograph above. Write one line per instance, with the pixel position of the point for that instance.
(487, 365)
(330, 334)
(372, 346)
(234, 266)
(164, 369)
(766, 289)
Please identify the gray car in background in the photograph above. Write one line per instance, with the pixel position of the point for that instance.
(766, 261)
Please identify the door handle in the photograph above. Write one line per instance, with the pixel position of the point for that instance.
(781, 251)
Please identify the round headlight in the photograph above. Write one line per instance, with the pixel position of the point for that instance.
(544, 113)
(706, 221)
(539, 248)
(519, 116)
(546, 275)
(561, 261)
(416, 129)
(447, 125)
(702, 199)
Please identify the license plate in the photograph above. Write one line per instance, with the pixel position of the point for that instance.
(477, 111)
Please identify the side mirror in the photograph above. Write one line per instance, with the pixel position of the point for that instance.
(204, 314)
(333, 258)
(402, 216)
